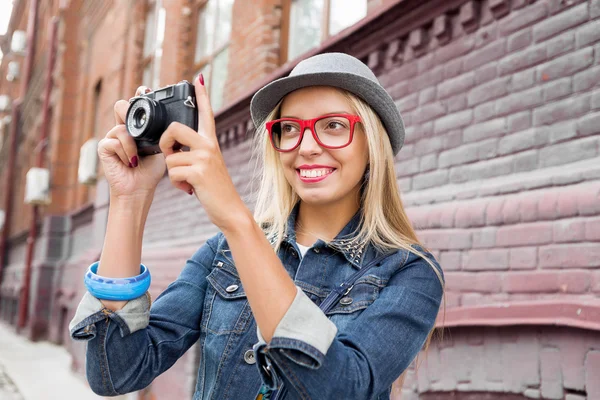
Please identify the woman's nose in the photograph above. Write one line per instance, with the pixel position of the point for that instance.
(309, 145)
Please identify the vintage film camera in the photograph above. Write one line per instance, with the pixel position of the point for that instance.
(149, 115)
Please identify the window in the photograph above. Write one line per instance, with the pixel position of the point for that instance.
(153, 39)
(313, 21)
(212, 46)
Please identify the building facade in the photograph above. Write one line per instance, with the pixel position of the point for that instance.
(500, 172)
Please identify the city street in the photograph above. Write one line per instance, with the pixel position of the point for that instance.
(37, 371)
(8, 390)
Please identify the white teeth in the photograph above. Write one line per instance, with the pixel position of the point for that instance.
(314, 173)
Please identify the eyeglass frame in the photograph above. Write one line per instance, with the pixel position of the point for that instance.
(310, 124)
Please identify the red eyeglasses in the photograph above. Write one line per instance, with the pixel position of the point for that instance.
(332, 131)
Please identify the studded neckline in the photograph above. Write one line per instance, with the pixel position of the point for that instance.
(344, 242)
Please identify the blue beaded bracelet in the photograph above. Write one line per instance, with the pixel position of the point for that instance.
(116, 289)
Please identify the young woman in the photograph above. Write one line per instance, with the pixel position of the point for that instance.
(324, 293)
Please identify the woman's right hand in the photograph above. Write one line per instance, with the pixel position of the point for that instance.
(127, 174)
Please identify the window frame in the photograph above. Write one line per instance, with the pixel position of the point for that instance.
(199, 6)
(150, 59)
(286, 15)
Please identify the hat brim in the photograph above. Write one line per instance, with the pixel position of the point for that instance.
(265, 100)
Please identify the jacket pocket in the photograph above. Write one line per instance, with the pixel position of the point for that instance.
(226, 308)
(363, 293)
(349, 307)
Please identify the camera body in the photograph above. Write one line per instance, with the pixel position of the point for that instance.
(149, 115)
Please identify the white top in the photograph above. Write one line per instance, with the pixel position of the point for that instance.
(303, 249)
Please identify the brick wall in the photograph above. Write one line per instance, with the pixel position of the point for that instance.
(254, 49)
(64, 138)
(543, 362)
(11, 88)
(501, 163)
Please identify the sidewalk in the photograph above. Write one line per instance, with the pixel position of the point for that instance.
(37, 371)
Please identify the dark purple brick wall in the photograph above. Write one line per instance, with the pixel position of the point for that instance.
(539, 362)
(501, 164)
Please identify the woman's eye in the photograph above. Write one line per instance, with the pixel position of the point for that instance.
(336, 125)
(288, 128)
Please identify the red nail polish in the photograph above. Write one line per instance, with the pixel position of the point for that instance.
(201, 79)
(130, 166)
(191, 192)
(134, 161)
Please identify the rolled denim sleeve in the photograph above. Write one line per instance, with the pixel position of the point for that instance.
(370, 353)
(304, 328)
(135, 315)
(129, 348)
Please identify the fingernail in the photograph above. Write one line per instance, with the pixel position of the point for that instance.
(134, 161)
(201, 79)
(130, 166)
(190, 192)
(147, 90)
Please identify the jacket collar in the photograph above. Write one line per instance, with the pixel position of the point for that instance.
(353, 252)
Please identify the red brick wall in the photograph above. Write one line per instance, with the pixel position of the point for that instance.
(64, 137)
(14, 90)
(255, 44)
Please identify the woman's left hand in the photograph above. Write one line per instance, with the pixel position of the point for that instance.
(202, 170)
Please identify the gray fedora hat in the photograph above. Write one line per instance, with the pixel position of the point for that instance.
(338, 70)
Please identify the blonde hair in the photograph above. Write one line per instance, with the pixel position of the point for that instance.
(384, 222)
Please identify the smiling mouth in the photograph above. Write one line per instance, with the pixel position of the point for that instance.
(314, 175)
(315, 172)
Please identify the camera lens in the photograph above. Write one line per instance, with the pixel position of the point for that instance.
(145, 119)
(140, 118)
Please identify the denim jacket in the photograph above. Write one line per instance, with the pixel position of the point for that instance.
(356, 351)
